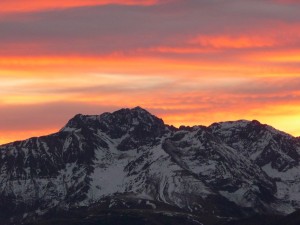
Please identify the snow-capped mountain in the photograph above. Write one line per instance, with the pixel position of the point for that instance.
(229, 169)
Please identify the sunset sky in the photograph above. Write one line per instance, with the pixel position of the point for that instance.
(191, 62)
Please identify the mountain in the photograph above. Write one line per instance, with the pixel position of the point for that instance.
(130, 166)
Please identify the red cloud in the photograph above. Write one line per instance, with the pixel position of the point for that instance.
(227, 41)
(35, 5)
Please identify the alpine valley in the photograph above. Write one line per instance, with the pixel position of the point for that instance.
(128, 167)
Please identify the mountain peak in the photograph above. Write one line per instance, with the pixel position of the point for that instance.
(245, 125)
(233, 166)
(137, 112)
(137, 123)
(80, 120)
(138, 108)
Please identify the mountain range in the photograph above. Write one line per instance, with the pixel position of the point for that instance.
(129, 167)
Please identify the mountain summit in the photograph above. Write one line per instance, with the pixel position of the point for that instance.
(130, 159)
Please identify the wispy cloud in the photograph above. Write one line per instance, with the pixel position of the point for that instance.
(9, 6)
(190, 62)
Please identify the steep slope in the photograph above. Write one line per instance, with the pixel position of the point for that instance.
(230, 169)
(233, 176)
(277, 153)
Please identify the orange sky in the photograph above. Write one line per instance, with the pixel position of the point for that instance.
(189, 62)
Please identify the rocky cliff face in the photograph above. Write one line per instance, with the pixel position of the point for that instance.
(229, 169)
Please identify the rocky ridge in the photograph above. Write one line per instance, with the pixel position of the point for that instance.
(226, 170)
